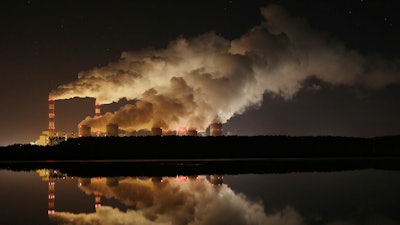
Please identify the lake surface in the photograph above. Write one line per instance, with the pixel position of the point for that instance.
(351, 197)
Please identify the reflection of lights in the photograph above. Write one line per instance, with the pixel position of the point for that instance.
(182, 178)
(50, 212)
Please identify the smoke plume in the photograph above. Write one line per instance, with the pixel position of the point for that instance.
(195, 201)
(192, 82)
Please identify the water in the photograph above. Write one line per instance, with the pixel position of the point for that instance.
(352, 197)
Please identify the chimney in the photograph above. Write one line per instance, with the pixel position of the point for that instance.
(51, 116)
(97, 109)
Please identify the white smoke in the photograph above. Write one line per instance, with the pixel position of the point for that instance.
(195, 202)
(194, 81)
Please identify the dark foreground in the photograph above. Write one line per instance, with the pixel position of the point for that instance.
(161, 156)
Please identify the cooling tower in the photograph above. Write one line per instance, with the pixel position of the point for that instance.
(216, 129)
(112, 130)
(84, 131)
(156, 131)
(192, 132)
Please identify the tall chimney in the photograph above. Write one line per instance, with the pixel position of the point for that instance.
(51, 116)
(97, 109)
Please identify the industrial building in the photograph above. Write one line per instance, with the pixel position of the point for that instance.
(53, 137)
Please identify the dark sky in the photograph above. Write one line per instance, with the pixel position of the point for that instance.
(45, 44)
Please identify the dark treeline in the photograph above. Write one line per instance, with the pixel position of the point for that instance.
(172, 155)
(188, 147)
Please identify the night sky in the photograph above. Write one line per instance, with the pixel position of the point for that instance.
(45, 44)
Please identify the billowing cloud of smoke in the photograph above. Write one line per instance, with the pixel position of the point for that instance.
(174, 202)
(193, 81)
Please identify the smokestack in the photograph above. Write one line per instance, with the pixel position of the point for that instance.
(51, 116)
(112, 130)
(97, 109)
(156, 131)
(192, 132)
(84, 131)
(216, 129)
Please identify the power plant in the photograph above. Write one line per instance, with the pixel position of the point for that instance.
(53, 137)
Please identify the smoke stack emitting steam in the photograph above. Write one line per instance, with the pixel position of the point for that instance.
(193, 81)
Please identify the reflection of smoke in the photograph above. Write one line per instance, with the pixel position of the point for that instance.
(195, 201)
(193, 81)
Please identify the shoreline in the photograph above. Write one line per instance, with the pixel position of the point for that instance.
(111, 168)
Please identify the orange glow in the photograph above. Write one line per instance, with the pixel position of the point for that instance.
(182, 178)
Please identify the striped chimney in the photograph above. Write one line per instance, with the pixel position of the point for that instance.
(51, 115)
(97, 110)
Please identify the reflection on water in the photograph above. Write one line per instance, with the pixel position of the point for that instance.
(331, 198)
